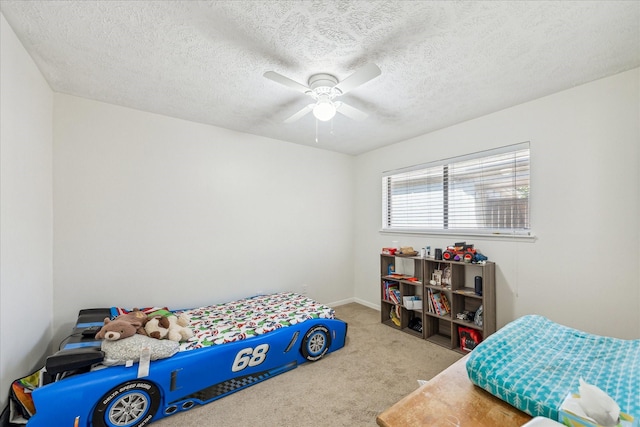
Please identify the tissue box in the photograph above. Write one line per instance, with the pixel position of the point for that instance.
(572, 420)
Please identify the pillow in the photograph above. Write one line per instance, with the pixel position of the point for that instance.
(120, 351)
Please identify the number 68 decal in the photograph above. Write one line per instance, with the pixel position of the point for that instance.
(250, 357)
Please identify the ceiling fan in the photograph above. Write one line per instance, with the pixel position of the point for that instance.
(324, 89)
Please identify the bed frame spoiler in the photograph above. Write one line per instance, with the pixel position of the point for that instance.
(81, 350)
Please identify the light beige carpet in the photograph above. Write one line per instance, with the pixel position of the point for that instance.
(350, 387)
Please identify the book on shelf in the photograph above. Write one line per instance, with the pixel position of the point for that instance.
(398, 276)
(431, 308)
(391, 292)
(445, 303)
(438, 303)
(394, 295)
(435, 296)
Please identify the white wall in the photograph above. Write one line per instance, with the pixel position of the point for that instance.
(583, 268)
(26, 284)
(151, 210)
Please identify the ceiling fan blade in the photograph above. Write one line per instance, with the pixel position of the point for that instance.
(351, 112)
(299, 114)
(361, 76)
(286, 81)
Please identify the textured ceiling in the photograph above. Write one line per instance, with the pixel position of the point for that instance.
(442, 62)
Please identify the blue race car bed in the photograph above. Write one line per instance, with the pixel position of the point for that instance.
(235, 345)
(534, 363)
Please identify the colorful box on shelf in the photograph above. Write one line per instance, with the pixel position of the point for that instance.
(389, 251)
(568, 418)
(412, 302)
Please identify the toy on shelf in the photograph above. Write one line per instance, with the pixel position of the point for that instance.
(463, 252)
(469, 338)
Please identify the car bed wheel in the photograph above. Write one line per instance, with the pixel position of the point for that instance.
(316, 343)
(131, 404)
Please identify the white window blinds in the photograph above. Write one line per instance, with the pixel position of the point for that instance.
(486, 192)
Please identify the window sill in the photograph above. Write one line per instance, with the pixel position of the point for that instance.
(488, 236)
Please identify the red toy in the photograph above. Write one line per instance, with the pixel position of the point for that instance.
(459, 252)
(469, 338)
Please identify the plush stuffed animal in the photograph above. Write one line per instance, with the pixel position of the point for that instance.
(178, 328)
(157, 327)
(123, 326)
(164, 324)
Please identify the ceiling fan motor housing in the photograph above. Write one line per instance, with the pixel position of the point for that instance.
(323, 85)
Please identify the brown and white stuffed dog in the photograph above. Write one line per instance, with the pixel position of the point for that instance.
(164, 324)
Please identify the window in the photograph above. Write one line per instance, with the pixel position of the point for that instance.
(486, 192)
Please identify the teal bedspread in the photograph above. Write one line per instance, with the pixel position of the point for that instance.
(533, 363)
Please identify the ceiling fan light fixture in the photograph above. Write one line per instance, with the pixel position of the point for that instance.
(324, 88)
(324, 110)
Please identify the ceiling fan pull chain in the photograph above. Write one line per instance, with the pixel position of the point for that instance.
(316, 130)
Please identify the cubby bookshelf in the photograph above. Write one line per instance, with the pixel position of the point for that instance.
(407, 285)
(456, 284)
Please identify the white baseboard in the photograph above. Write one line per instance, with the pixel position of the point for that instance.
(341, 302)
(367, 304)
(356, 300)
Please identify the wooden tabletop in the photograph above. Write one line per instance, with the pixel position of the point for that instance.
(451, 400)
